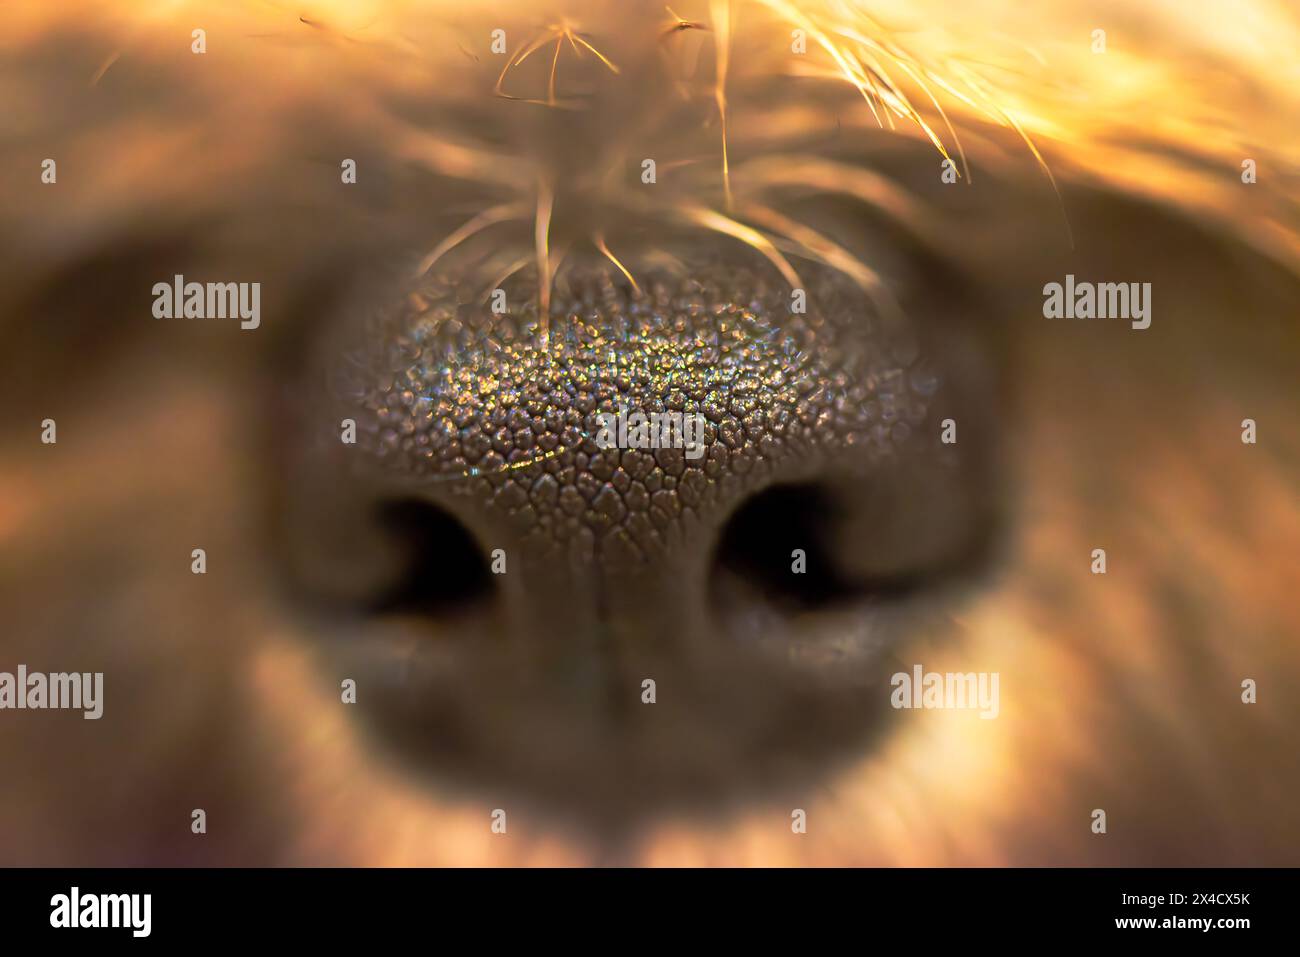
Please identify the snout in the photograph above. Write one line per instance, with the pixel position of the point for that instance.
(654, 550)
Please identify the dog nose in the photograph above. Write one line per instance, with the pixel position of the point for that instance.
(617, 538)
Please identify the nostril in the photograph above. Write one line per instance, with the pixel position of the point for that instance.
(442, 571)
(780, 542)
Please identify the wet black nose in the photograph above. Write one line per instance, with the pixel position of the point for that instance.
(634, 552)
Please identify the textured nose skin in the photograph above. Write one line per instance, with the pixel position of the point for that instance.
(454, 395)
(619, 663)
